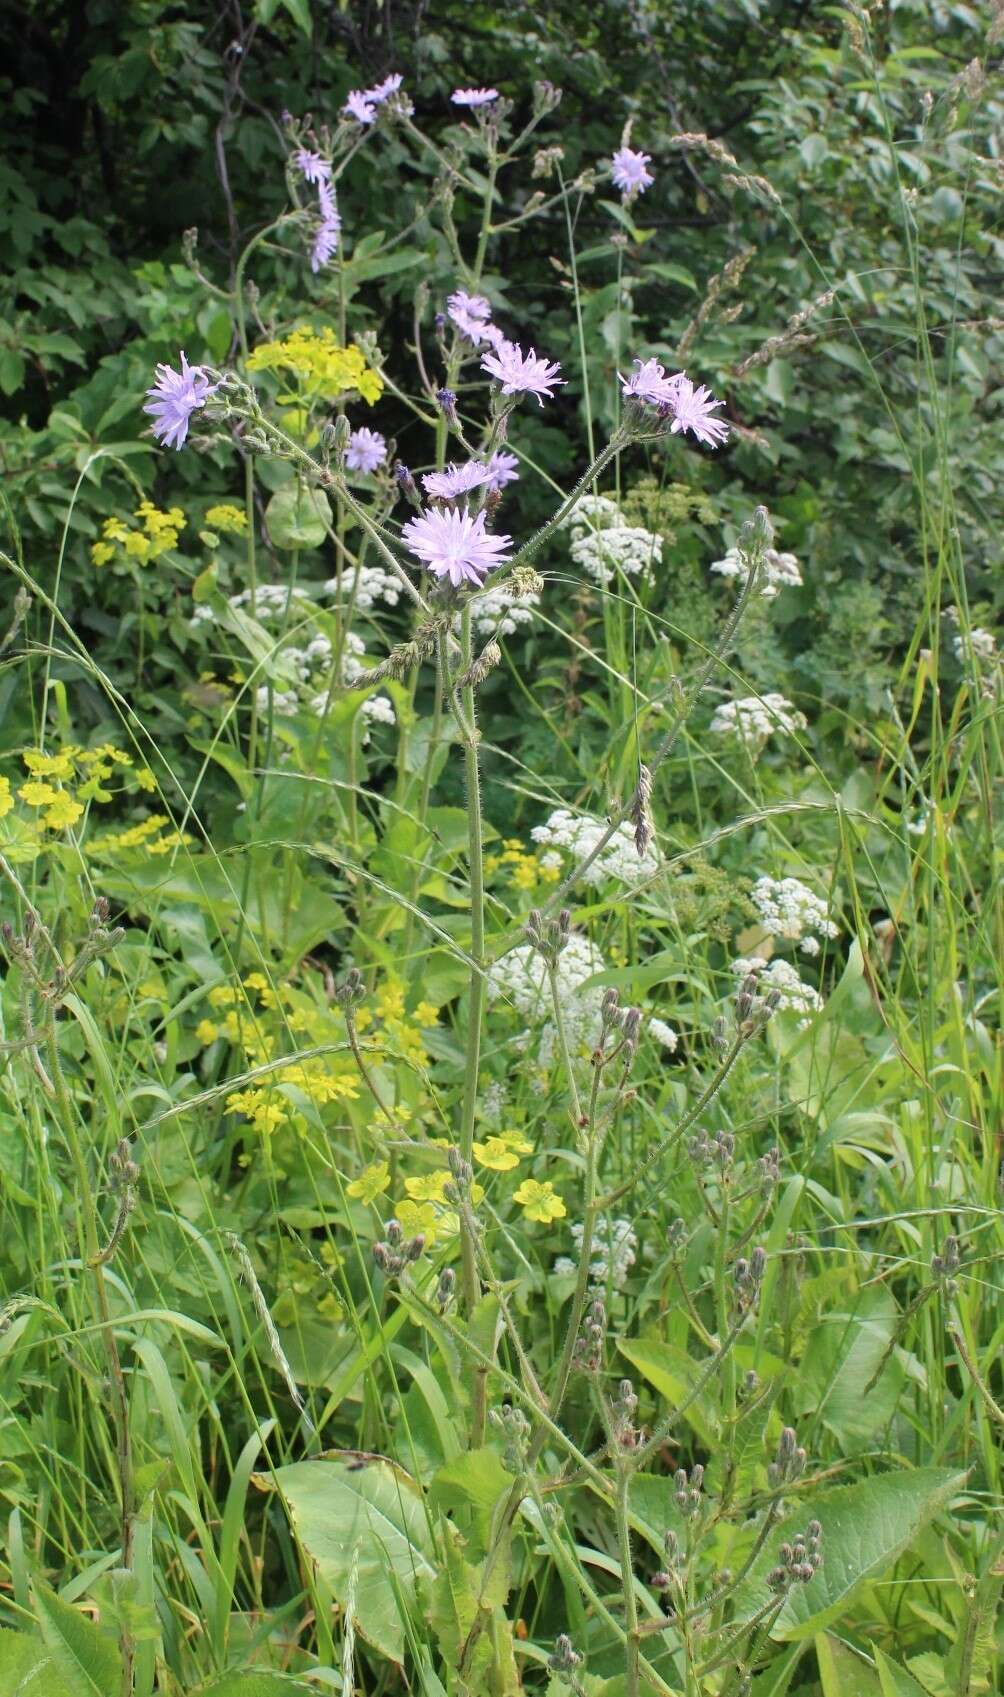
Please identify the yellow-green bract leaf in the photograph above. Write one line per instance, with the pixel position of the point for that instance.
(298, 517)
(84, 1658)
(349, 1507)
(865, 1527)
(896, 1681)
(843, 1672)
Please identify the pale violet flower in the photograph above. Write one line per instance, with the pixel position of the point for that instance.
(627, 168)
(576, 836)
(789, 909)
(471, 314)
(366, 451)
(311, 165)
(455, 480)
(326, 239)
(693, 410)
(474, 96)
(359, 106)
(385, 89)
(453, 544)
(778, 571)
(649, 383)
(520, 373)
(502, 469)
(173, 399)
(476, 306)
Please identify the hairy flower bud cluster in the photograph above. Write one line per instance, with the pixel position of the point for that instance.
(515, 1429)
(789, 1459)
(687, 1490)
(396, 1253)
(589, 1343)
(747, 1276)
(550, 938)
(799, 1560)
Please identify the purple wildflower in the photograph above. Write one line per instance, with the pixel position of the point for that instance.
(491, 334)
(454, 545)
(448, 401)
(520, 373)
(359, 106)
(502, 469)
(456, 480)
(692, 410)
(473, 330)
(326, 240)
(314, 168)
(627, 169)
(476, 306)
(650, 383)
(173, 399)
(474, 96)
(385, 89)
(367, 449)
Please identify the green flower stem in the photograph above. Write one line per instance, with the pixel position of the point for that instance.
(559, 1022)
(662, 1431)
(632, 1671)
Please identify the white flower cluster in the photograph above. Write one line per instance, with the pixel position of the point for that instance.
(268, 603)
(979, 642)
(779, 571)
(661, 1033)
(576, 835)
(603, 543)
(372, 584)
(498, 612)
(520, 978)
(788, 908)
(613, 1254)
(754, 717)
(781, 976)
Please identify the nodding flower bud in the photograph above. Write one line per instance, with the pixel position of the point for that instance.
(756, 532)
(745, 999)
(565, 1658)
(395, 1232)
(448, 402)
(445, 1288)
(610, 1009)
(463, 1172)
(545, 97)
(789, 1459)
(439, 323)
(719, 1036)
(351, 990)
(632, 1025)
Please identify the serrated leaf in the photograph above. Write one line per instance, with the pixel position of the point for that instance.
(865, 1527)
(353, 1508)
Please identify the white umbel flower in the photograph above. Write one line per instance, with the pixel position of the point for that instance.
(575, 835)
(779, 571)
(789, 909)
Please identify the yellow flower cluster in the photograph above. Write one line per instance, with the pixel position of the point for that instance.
(156, 533)
(525, 870)
(228, 520)
(319, 362)
(149, 834)
(56, 808)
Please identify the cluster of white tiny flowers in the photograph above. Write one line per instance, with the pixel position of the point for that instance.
(979, 642)
(603, 542)
(781, 976)
(498, 612)
(269, 602)
(661, 1033)
(371, 583)
(576, 835)
(613, 1253)
(754, 717)
(788, 908)
(520, 978)
(492, 1101)
(778, 571)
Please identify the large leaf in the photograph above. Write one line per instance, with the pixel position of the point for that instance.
(843, 1672)
(353, 1508)
(475, 1481)
(674, 1373)
(865, 1527)
(298, 518)
(896, 1681)
(844, 1353)
(28, 1668)
(83, 1656)
(255, 1683)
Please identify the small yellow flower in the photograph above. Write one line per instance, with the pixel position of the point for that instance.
(425, 1015)
(256, 981)
(539, 1201)
(206, 1031)
(145, 779)
(222, 996)
(37, 794)
(101, 553)
(421, 1218)
(115, 530)
(371, 1183)
(226, 518)
(48, 765)
(138, 545)
(429, 1187)
(497, 1155)
(63, 812)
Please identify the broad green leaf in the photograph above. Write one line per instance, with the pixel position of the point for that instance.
(674, 1373)
(865, 1527)
(896, 1681)
(254, 1683)
(349, 1507)
(845, 1351)
(476, 1480)
(298, 517)
(843, 1672)
(775, 1680)
(83, 1656)
(27, 1668)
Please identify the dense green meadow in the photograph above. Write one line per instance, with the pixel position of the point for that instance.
(500, 850)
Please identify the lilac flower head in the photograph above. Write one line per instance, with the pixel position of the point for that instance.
(326, 240)
(692, 410)
(367, 449)
(313, 167)
(476, 306)
(627, 168)
(455, 480)
(473, 330)
(491, 334)
(454, 545)
(173, 399)
(520, 373)
(359, 105)
(502, 469)
(385, 89)
(474, 96)
(650, 383)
